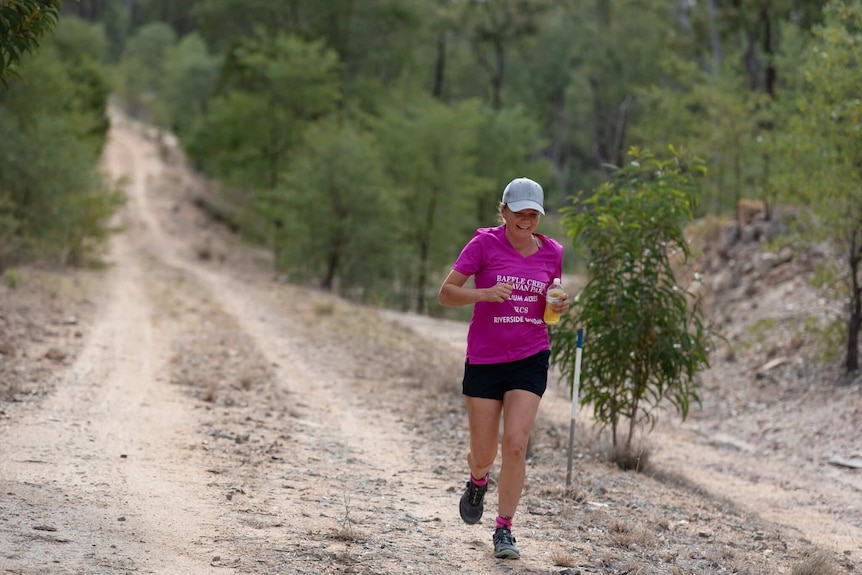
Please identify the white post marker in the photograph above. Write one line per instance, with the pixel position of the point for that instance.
(576, 384)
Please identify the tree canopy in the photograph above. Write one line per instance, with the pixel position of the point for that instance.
(449, 100)
(22, 25)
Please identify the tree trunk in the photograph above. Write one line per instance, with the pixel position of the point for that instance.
(632, 424)
(440, 68)
(855, 322)
(714, 38)
(497, 81)
(771, 73)
(331, 267)
(620, 131)
(425, 254)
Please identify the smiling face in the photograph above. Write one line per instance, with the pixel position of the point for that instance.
(520, 225)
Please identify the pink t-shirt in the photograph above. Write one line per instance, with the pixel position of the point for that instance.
(513, 329)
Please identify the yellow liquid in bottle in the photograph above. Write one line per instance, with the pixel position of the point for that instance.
(554, 294)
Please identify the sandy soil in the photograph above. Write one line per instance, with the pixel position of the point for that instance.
(183, 412)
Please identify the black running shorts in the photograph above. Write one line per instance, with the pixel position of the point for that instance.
(493, 380)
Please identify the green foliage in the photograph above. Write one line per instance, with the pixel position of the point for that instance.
(53, 203)
(552, 81)
(225, 23)
(333, 218)
(828, 337)
(82, 47)
(23, 23)
(274, 88)
(429, 150)
(758, 332)
(8, 225)
(57, 202)
(645, 337)
(77, 39)
(822, 152)
(375, 40)
(141, 68)
(716, 117)
(190, 72)
(511, 144)
(12, 277)
(566, 88)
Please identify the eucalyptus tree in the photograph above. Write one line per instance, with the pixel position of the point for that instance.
(377, 42)
(750, 33)
(333, 217)
(510, 146)
(429, 150)
(551, 78)
(115, 17)
(226, 23)
(580, 75)
(737, 45)
(141, 68)
(24, 23)
(646, 338)
(272, 87)
(126, 16)
(190, 74)
(54, 205)
(495, 30)
(824, 153)
(83, 47)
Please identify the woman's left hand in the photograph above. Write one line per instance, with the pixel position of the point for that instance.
(562, 306)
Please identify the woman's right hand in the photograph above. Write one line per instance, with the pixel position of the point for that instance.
(499, 293)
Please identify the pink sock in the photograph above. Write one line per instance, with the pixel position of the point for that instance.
(504, 521)
(479, 482)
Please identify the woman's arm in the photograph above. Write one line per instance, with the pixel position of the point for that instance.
(453, 293)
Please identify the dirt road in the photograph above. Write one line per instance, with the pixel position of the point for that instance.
(217, 421)
(113, 472)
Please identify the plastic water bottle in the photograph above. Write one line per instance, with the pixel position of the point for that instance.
(555, 292)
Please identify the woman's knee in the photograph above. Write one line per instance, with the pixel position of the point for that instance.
(515, 445)
(482, 458)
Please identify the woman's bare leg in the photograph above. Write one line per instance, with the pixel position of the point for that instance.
(484, 418)
(519, 414)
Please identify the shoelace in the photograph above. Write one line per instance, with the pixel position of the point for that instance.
(475, 495)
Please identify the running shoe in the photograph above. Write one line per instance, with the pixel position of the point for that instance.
(504, 544)
(472, 502)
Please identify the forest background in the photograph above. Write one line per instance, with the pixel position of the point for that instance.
(363, 142)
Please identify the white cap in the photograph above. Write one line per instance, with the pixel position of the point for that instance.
(524, 194)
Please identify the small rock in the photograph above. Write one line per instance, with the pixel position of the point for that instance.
(785, 254)
(6, 348)
(56, 354)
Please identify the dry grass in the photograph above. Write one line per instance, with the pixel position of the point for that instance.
(816, 562)
(324, 308)
(210, 392)
(563, 559)
(629, 458)
(634, 457)
(631, 536)
(345, 533)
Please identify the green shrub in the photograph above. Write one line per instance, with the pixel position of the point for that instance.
(645, 337)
